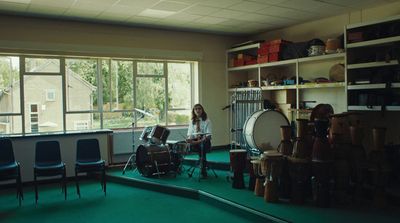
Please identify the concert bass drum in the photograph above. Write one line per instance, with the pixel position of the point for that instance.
(153, 159)
(261, 131)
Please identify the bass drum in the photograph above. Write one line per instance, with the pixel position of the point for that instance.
(261, 131)
(147, 156)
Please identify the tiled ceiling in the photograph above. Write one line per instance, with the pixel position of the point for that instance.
(233, 17)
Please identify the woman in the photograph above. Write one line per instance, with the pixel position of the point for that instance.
(199, 135)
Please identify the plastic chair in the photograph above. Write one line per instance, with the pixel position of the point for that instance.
(48, 163)
(88, 160)
(9, 168)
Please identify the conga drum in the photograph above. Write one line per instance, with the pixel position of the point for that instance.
(273, 171)
(259, 185)
(300, 174)
(238, 164)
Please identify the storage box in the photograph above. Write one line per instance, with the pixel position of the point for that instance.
(273, 57)
(250, 62)
(262, 59)
(239, 62)
(263, 51)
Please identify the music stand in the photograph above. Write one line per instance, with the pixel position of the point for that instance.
(201, 161)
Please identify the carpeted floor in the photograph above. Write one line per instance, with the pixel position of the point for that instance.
(122, 204)
(295, 213)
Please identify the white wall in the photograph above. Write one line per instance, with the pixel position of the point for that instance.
(333, 27)
(24, 151)
(23, 34)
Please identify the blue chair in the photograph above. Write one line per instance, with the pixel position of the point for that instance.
(48, 163)
(9, 168)
(88, 160)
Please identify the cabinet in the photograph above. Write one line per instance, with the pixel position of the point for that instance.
(290, 97)
(373, 71)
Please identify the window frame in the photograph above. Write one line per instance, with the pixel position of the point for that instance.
(62, 60)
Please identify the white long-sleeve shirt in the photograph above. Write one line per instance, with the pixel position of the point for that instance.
(205, 128)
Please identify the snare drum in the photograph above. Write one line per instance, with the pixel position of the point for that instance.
(262, 129)
(150, 158)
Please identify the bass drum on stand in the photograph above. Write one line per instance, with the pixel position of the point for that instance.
(154, 159)
(261, 131)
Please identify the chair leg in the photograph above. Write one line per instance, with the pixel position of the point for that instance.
(36, 189)
(77, 184)
(65, 183)
(20, 195)
(104, 182)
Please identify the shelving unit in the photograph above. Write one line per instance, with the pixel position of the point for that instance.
(373, 59)
(288, 97)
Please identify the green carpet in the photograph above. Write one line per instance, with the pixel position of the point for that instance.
(214, 156)
(122, 204)
(294, 213)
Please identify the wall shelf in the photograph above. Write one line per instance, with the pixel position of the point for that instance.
(372, 64)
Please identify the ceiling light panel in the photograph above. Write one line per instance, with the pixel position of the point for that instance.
(153, 13)
(52, 3)
(138, 3)
(183, 17)
(210, 20)
(248, 6)
(46, 10)
(17, 1)
(170, 6)
(227, 13)
(220, 3)
(201, 10)
(13, 7)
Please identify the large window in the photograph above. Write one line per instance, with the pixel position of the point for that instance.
(65, 93)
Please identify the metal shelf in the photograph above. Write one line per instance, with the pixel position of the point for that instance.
(243, 48)
(283, 87)
(321, 85)
(245, 67)
(372, 108)
(322, 57)
(375, 42)
(371, 86)
(372, 64)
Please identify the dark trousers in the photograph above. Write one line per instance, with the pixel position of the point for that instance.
(202, 149)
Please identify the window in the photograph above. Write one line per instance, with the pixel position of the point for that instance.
(81, 125)
(34, 118)
(50, 95)
(10, 97)
(93, 93)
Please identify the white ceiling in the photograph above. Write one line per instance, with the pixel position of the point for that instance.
(234, 17)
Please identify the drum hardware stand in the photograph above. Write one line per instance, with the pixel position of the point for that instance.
(200, 165)
(132, 158)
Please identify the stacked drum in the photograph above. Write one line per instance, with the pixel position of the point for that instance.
(238, 164)
(322, 159)
(300, 164)
(378, 166)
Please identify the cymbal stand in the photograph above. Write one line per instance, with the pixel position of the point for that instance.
(132, 158)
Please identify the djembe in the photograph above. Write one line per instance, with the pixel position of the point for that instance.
(300, 174)
(301, 146)
(358, 162)
(378, 166)
(286, 148)
(273, 171)
(322, 159)
(238, 164)
(259, 185)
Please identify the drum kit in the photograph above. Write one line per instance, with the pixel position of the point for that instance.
(154, 156)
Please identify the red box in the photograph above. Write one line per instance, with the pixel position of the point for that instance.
(262, 51)
(273, 57)
(278, 41)
(238, 62)
(250, 62)
(275, 48)
(262, 59)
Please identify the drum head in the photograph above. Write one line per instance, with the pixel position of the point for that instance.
(262, 129)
